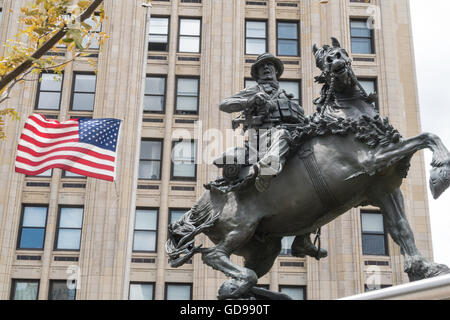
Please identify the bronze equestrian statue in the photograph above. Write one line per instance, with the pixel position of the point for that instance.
(343, 156)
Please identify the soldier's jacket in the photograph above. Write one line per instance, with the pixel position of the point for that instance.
(280, 109)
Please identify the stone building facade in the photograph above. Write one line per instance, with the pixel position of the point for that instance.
(200, 53)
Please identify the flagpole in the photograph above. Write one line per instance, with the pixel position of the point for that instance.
(147, 5)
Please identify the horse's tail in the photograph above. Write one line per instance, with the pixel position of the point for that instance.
(182, 232)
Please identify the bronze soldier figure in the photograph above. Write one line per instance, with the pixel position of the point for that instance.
(264, 108)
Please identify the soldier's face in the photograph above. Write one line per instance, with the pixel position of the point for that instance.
(267, 71)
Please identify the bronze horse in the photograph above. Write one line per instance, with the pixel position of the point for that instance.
(348, 157)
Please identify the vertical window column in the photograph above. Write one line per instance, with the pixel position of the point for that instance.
(287, 39)
(49, 92)
(142, 291)
(187, 95)
(24, 289)
(373, 234)
(361, 36)
(159, 34)
(83, 92)
(155, 94)
(189, 35)
(145, 230)
(150, 160)
(255, 37)
(33, 226)
(184, 154)
(68, 233)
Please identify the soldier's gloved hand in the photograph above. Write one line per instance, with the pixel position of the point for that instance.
(258, 99)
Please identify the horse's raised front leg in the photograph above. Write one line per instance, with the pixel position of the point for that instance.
(416, 266)
(218, 257)
(440, 173)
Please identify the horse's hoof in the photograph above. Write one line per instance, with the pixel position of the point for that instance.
(310, 252)
(439, 180)
(418, 268)
(234, 290)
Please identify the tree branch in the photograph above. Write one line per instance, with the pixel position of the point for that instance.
(45, 47)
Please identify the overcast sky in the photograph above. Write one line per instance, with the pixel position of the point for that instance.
(430, 24)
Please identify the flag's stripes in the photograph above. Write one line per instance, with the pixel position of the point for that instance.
(34, 153)
(77, 145)
(50, 135)
(21, 168)
(75, 156)
(47, 144)
(37, 118)
(42, 127)
(43, 144)
(55, 159)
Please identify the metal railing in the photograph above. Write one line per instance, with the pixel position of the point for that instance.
(430, 289)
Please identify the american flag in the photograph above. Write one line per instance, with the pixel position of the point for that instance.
(83, 146)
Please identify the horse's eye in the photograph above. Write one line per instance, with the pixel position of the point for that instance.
(338, 55)
(329, 60)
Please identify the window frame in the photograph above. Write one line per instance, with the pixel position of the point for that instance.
(97, 14)
(58, 221)
(163, 76)
(36, 103)
(385, 238)
(184, 112)
(174, 178)
(13, 287)
(160, 161)
(299, 82)
(304, 288)
(372, 35)
(142, 282)
(298, 38)
(21, 226)
(159, 34)
(155, 231)
(176, 209)
(245, 36)
(50, 287)
(72, 93)
(180, 35)
(167, 284)
(375, 81)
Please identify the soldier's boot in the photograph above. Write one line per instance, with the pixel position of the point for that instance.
(271, 165)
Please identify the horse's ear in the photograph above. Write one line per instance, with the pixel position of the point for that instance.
(335, 42)
(315, 49)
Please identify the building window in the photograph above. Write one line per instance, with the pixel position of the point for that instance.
(150, 160)
(61, 290)
(371, 287)
(158, 34)
(178, 291)
(287, 39)
(373, 235)
(295, 292)
(189, 35)
(255, 37)
(68, 233)
(155, 94)
(286, 246)
(49, 91)
(94, 33)
(362, 37)
(24, 289)
(184, 160)
(292, 87)
(141, 291)
(145, 227)
(46, 174)
(68, 174)
(83, 95)
(32, 230)
(176, 214)
(250, 83)
(370, 85)
(187, 95)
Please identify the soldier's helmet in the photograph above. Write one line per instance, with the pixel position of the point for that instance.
(267, 57)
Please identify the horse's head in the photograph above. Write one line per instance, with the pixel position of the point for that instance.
(337, 74)
(335, 64)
